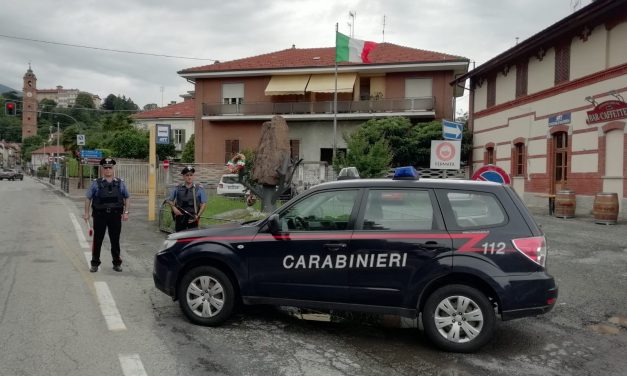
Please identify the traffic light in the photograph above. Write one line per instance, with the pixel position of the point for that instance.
(10, 109)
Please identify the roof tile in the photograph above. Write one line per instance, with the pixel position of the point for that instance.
(384, 53)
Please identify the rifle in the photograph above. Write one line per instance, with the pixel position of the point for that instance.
(187, 214)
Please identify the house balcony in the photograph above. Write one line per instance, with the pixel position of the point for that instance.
(322, 110)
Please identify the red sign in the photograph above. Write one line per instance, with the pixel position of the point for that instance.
(166, 164)
(492, 173)
(607, 111)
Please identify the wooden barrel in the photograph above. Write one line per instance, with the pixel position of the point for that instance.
(565, 203)
(605, 208)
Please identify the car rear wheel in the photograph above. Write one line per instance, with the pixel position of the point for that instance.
(206, 296)
(459, 318)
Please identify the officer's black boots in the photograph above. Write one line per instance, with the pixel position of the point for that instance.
(93, 269)
(117, 268)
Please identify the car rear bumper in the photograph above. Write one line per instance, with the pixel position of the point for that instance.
(528, 295)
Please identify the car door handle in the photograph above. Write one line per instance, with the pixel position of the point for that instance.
(334, 246)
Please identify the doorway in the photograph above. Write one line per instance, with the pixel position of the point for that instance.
(560, 167)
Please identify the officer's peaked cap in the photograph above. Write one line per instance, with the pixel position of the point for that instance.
(107, 161)
(187, 169)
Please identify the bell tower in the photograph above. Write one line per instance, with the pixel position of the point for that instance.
(29, 104)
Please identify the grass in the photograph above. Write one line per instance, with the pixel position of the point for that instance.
(216, 205)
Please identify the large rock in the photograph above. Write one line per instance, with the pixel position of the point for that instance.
(272, 152)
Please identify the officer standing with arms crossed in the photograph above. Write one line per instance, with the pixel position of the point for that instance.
(188, 201)
(109, 199)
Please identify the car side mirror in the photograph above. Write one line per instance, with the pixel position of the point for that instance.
(273, 224)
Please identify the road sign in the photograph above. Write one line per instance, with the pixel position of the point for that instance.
(166, 164)
(445, 155)
(163, 134)
(452, 130)
(492, 173)
(91, 153)
(80, 139)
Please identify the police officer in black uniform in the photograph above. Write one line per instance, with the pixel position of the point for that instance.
(109, 200)
(188, 201)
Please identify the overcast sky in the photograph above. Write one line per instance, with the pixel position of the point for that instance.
(218, 30)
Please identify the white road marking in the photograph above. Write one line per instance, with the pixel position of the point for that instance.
(88, 258)
(79, 232)
(108, 307)
(132, 365)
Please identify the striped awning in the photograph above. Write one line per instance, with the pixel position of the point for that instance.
(287, 85)
(325, 83)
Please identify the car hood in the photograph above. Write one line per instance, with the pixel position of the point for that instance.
(218, 231)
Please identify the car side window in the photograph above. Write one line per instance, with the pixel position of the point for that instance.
(398, 210)
(324, 211)
(474, 209)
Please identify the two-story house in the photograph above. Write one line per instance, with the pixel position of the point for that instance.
(551, 110)
(234, 98)
(180, 117)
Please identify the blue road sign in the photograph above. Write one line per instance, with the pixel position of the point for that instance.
(452, 130)
(85, 153)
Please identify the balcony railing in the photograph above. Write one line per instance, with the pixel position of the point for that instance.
(321, 107)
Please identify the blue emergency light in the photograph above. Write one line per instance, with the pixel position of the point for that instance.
(406, 173)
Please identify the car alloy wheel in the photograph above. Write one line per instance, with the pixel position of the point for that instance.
(206, 296)
(459, 318)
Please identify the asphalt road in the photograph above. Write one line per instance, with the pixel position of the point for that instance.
(52, 321)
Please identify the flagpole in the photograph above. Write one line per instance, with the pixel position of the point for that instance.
(335, 97)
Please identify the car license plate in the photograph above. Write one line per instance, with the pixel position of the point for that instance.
(233, 187)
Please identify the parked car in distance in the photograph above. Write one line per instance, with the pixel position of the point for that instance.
(5, 173)
(229, 185)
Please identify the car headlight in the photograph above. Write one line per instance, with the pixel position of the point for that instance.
(168, 243)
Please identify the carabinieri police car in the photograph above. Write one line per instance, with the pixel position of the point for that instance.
(457, 253)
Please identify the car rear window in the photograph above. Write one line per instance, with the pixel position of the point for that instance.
(230, 179)
(475, 209)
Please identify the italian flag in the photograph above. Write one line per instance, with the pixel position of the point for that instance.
(352, 50)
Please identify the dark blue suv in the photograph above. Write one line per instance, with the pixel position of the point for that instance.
(456, 252)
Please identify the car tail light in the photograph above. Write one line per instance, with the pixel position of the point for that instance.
(534, 248)
(220, 185)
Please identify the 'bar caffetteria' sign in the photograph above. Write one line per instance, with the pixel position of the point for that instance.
(607, 111)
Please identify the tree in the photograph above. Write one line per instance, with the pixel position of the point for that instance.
(410, 143)
(150, 106)
(372, 160)
(10, 128)
(165, 151)
(29, 145)
(129, 143)
(188, 152)
(84, 100)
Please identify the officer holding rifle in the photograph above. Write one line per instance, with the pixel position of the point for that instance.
(187, 201)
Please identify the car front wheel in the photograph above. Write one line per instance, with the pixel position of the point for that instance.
(206, 296)
(459, 318)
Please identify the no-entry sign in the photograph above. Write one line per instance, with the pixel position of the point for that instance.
(166, 164)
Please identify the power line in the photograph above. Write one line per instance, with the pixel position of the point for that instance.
(103, 49)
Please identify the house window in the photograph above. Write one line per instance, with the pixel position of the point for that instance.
(489, 156)
(232, 93)
(179, 136)
(562, 63)
(491, 91)
(295, 149)
(418, 87)
(326, 154)
(521, 79)
(231, 147)
(519, 159)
